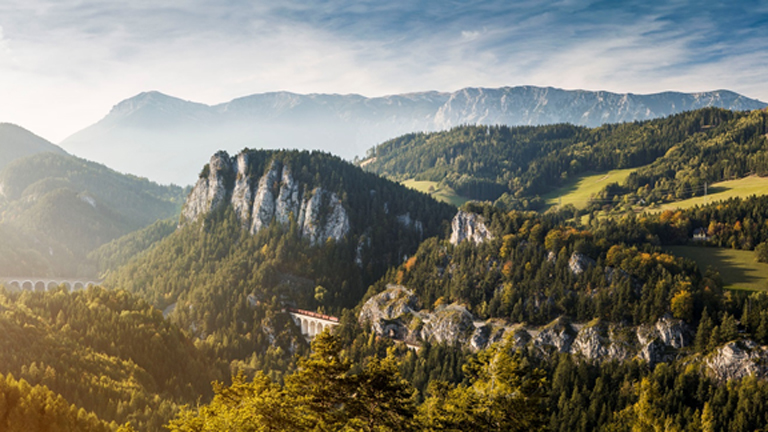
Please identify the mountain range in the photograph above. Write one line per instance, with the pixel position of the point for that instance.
(164, 138)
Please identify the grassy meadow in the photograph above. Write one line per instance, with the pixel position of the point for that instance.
(440, 193)
(738, 268)
(743, 188)
(579, 191)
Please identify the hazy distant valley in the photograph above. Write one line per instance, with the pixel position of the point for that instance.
(164, 138)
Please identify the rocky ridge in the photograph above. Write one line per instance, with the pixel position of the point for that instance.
(396, 313)
(163, 137)
(259, 199)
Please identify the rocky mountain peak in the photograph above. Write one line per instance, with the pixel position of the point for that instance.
(260, 198)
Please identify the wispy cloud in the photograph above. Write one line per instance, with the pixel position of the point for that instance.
(64, 63)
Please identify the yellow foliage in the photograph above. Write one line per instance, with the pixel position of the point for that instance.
(507, 269)
(410, 263)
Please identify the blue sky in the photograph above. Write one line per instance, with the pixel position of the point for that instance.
(65, 63)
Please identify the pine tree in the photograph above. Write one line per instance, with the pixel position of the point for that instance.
(704, 332)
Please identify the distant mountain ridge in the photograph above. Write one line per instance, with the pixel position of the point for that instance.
(17, 142)
(164, 138)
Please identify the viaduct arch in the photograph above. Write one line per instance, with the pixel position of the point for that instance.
(31, 283)
(312, 323)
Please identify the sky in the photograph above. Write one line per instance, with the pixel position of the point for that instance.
(65, 63)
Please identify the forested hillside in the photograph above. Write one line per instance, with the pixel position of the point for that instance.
(226, 281)
(107, 352)
(517, 165)
(26, 408)
(57, 208)
(118, 252)
(572, 300)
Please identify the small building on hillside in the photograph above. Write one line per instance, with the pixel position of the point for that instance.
(700, 234)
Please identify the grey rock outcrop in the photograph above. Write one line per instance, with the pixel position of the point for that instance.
(558, 335)
(264, 199)
(395, 313)
(657, 340)
(388, 311)
(736, 360)
(579, 263)
(211, 190)
(448, 324)
(276, 195)
(242, 195)
(591, 342)
(469, 226)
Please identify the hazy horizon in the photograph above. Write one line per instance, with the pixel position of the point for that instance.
(65, 64)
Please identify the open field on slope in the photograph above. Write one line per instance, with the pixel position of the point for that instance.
(444, 193)
(583, 187)
(743, 187)
(737, 267)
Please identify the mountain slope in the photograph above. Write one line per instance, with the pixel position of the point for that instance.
(268, 229)
(63, 207)
(674, 157)
(163, 137)
(17, 142)
(103, 350)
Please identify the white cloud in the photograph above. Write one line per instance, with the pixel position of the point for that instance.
(68, 62)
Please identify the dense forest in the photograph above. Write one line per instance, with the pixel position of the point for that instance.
(105, 351)
(674, 156)
(26, 408)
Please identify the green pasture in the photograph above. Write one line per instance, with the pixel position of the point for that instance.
(581, 189)
(738, 268)
(743, 188)
(440, 193)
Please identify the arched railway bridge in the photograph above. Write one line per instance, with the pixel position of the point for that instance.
(312, 323)
(32, 283)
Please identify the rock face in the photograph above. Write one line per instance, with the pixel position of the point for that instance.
(385, 311)
(395, 313)
(469, 226)
(579, 263)
(558, 335)
(448, 324)
(257, 201)
(211, 190)
(738, 359)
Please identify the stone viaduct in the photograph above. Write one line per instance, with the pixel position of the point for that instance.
(31, 283)
(312, 323)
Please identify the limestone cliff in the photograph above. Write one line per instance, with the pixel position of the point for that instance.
(259, 198)
(395, 313)
(738, 359)
(211, 189)
(469, 226)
